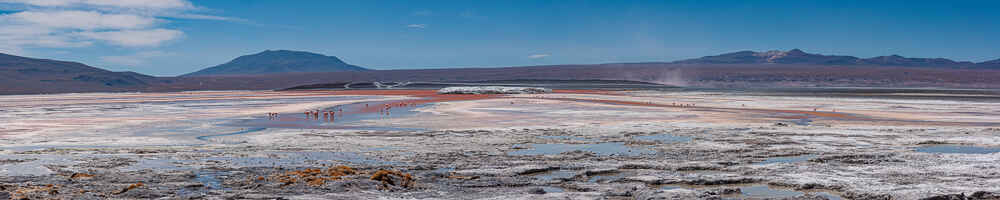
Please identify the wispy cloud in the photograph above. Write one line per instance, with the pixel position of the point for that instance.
(417, 26)
(139, 58)
(127, 4)
(81, 23)
(135, 38)
(538, 56)
(83, 20)
(205, 17)
(471, 14)
(422, 13)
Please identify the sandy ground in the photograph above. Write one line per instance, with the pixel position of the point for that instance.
(565, 145)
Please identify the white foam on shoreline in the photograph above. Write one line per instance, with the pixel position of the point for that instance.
(493, 90)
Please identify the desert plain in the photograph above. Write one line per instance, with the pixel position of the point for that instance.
(567, 144)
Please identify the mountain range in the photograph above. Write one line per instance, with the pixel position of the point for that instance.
(796, 56)
(283, 69)
(279, 61)
(30, 75)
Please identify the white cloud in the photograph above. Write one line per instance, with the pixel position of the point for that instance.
(143, 4)
(204, 17)
(86, 20)
(12, 50)
(134, 59)
(135, 38)
(80, 23)
(423, 13)
(537, 56)
(14, 37)
(39, 2)
(127, 4)
(417, 26)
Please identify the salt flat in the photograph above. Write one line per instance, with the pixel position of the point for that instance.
(576, 144)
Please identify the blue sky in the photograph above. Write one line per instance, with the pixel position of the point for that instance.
(172, 37)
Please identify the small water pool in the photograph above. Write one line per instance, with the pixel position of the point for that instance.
(760, 191)
(787, 159)
(764, 191)
(604, 149)
(564, 137)
(555, 175)
(348, 116)
(957, 149)
(663, 138)
(550, 189)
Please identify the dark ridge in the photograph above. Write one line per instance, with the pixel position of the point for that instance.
(796, 56)
(340, 85)
(277, 62)
(22, 75)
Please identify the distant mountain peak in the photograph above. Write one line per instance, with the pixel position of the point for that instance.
(797, 56)
(34, 75)
(282, 51)
(770, 56)
(897, 60)
(796, 52)
(770, 53)
(279, 61)
(997, 61)
(793, 56)
(270, 54)
(773, 55)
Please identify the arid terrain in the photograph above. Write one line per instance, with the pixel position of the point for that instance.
(275, 70)
(569, 144)
(499, 100)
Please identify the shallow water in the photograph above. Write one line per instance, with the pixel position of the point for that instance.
(972, 95)
(663, 138)
(210, 179)
(159, 164)
(767, 192)
(787, 159)
(555, 175)
(33, 165)
(801, 122)
(764, 191)
(348, 116)
(244, 131)
(828, 195)
(671, 187)
(565, 137)
(272, 159)
(550, 189)
(604, 149)
(444, 170)
(606, 177)
(959, 149)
